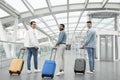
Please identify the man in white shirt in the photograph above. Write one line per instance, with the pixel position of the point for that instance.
(32, 45)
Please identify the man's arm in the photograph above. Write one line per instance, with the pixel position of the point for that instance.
(88, 38)
(60, 38)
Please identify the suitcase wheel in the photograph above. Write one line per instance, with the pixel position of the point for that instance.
(75, 71)
(18, 73)
(42, 76)
(52, 77)
(83, 73)
(10, 73)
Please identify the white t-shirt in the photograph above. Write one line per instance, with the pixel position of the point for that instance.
(30, 39)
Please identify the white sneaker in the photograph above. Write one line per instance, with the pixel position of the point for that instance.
(29, 71)
(58, 74)
(62, 72)
(89, 72)
(37, 70)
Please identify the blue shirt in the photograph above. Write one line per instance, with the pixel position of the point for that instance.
(90, 40)
(62, 38)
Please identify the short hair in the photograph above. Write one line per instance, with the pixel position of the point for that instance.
(63, 25)
(32, 22)
(89, 22)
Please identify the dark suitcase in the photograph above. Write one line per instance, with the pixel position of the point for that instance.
(80, 65)
(49, 67)
(16, 65)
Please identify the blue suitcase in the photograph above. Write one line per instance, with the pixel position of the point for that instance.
(49, 67)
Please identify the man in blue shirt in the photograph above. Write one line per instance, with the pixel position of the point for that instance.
(61, 46)
(90, 45)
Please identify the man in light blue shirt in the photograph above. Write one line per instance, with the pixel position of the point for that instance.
(61, 46)
(90, 45)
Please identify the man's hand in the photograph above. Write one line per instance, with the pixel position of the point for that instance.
(23, 48)
(36, 47)
(82, 47)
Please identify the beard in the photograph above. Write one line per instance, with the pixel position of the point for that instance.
(61, 29)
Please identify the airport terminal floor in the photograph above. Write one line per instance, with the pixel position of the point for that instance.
(103, 71)
(86, 30)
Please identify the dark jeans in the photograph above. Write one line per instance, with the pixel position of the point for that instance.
(32, 51)
(91, 58)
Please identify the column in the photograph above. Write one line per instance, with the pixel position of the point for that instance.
(116, 37)
(3, 37)
(13, 48)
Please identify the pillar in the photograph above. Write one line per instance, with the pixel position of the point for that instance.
(3, 37)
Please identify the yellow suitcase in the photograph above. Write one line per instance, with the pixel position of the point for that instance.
(16, 65)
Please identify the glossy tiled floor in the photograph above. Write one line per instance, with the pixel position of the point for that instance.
(104, 71)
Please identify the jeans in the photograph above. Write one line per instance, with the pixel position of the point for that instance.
(91, 58)
(32, 51)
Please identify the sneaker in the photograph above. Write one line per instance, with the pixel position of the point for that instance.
(58, 74)
(93, 70)
(37, 70)
(29, 71)
(62, 72)
(90, 72)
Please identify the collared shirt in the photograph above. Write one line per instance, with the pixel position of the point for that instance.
(90, 40)
(62, 38)
(30, 39)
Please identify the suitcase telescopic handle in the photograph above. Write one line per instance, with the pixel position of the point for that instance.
(22, 49)
(82, 53)
(52, 53)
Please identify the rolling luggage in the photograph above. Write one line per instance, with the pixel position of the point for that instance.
(16, 65)
(49, 67)
(80, 65)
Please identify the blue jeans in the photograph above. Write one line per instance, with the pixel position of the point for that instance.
(91, 58)
(32, 51)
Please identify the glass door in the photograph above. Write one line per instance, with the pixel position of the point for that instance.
(106, 47)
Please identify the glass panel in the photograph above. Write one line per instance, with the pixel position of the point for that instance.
(61, 21)
(110, 47)
(51, 23)
(114, 1)
(38, 3)
(54, 28)
(61, 15)
(47, 18)
(58, 2)
(41, 25)
(72, 25)
(77, 13)
(76, 1)
(5, 57)
(107, 20)
(46, 30)
(73, 19)
(17, 4)
(95, 0)
(84, 19)
(82, 25)
(3, 13)
(102, 48)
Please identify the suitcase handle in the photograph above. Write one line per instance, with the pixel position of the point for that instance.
(52, 53)
(20, 53)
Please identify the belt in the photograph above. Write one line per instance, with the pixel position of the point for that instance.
(62, 43)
